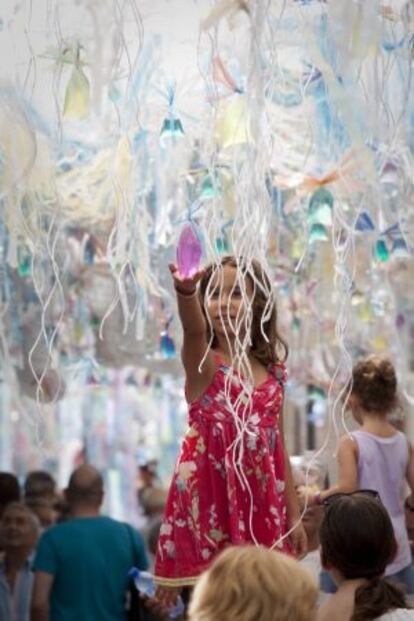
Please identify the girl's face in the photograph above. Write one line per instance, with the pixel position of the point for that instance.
(225, 304)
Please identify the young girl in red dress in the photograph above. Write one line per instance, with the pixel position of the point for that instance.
(232, 482)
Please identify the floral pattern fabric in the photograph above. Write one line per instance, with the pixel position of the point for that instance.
(228, 486)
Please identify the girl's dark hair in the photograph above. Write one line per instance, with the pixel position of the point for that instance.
(276, 349)
(374, 383)
(357, 539)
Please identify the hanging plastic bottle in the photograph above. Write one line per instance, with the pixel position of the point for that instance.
(320, 207)
(320, 215)
(222, 245)
(400, 249)
(381, 251)
(364, 223)
(144, 583)
(318, 232)
(24, 265)
(172, 127)
(167, 346)
(210, 187)
(189, 252)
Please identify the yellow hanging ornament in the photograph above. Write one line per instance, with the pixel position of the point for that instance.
(77, 96)
(233, 125)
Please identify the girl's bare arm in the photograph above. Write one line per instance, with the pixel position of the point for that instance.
(194, 334)
(347, 458)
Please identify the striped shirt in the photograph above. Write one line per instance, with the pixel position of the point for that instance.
(15, 606)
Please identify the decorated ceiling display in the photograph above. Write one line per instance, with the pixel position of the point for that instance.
(282, 130)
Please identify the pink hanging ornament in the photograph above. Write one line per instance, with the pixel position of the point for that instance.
(189, 252)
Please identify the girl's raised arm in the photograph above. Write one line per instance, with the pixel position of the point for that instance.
(194, 334)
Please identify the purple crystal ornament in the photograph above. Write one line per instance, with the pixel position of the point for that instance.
(189, 252)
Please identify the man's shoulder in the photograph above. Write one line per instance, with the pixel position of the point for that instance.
(71, 525)
(76, 525)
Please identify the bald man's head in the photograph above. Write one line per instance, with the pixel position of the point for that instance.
(85, 487)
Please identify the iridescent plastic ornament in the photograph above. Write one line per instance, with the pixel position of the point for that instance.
(320, 207)
(210, 187)
(222, 245)
(400, 249)
(318, 232)
(381, 251)
(167, 346)
(320, 214)
(364, 223)
(24, 264)
(172, 128)
(189, 252)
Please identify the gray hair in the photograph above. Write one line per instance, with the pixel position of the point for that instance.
(33, 519)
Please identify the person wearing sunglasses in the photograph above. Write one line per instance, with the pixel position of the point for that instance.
(357, 545)
(377, 456)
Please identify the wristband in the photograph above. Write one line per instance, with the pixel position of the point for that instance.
(185, 294)
(317, 498)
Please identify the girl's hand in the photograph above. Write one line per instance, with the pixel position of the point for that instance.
(166, 597)
(299, 539)
(187, 286)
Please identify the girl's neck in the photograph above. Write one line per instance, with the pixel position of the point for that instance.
(377, 424)
(340, 606)
(346, 585)
(226, 351)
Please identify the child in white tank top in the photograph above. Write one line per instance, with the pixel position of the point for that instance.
(377, 456)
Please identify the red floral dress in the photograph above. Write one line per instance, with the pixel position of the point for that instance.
(228, 485)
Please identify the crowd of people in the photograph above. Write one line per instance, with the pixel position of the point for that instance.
(67, 561)
(240, 537)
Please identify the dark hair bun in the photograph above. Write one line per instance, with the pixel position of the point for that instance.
(375, 384)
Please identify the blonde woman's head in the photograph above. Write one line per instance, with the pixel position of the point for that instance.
(247, 583)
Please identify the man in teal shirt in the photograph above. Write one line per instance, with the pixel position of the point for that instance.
(81, 566)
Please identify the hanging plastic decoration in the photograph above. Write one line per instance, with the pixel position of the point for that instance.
(381, 251)
(364, 223)
(77, 96)
(189, 251)
(24, 262)
(167, 345)
(172, 128)
(281, 131)
(400, 249)
(210, 187)
(232, 125)
(320, 215)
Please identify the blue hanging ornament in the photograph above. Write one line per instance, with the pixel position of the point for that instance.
(89, 252)
(222, 245)
(320, 215)
(381, 251)
(400, 249)
(318, 232)
(316, 393)
(171, 128)
(364, 223)
(210, 187)
(167, 346)
(24, 264)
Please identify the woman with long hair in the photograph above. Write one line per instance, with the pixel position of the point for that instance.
(357, 544)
